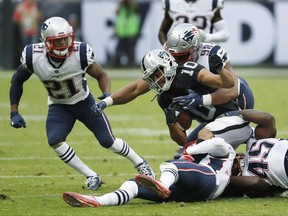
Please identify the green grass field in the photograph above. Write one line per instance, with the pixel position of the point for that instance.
(32, 177)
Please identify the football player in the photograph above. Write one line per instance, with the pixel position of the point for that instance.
(205, 14)
(202, 177)
(186, 43)
(61, 65)
(159, 74)
(265, 168)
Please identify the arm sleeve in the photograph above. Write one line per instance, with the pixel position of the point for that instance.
(16, 89)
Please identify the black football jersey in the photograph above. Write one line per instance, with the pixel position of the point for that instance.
(185, 79)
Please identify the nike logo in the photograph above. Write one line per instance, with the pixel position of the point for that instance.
(221, 52)
(192, 101)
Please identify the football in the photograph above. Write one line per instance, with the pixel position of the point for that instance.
(184, 120)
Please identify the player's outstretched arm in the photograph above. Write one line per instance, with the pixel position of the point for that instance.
(130, 92)
(252, 186)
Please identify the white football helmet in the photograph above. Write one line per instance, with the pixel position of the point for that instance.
(184, 39)
(164, 64)
(52, 30)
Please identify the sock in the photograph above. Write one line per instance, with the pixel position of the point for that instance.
(122, 148)
(68, 155)
(169, 174)
(123, 195)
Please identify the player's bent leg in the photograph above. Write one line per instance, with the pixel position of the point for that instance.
(102, 131)
(67, 154)
(122, 148)
(233, 129)
(59, 124)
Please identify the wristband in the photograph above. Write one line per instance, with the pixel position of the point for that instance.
(108, 101)
(207, 100)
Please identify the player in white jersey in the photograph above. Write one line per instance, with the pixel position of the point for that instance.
(61, 65)
(268, 159)
(205, 14)
(265, 171)
(200, 177)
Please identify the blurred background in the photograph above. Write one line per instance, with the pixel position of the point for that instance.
(258, 29)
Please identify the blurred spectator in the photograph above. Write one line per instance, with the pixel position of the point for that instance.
(74, 22)
(28, 17)
(127, 31)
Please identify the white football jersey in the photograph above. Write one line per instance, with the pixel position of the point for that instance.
(222, 169)
(65, 82)
(268, 159)
(203, 55)
(199, 13)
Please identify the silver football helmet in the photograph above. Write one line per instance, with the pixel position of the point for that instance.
(184, 39)
(158, 70)
(58, 37)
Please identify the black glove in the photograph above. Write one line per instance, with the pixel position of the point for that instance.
(217, 56)
(171, 113)
(190, 101)
(16, 120)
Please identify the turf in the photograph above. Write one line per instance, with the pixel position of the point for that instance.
(32, 177)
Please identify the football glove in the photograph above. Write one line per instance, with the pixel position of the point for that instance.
(105, 95)
(16, 120)
(172, 113)
(190, 101)
(217, 56)
(98, 108)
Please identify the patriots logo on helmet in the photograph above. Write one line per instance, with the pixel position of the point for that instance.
(188, 36)
(44, 26)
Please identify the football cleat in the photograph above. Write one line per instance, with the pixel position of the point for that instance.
(145, 169)
(78, 200)
(93, 182)
(153, 185)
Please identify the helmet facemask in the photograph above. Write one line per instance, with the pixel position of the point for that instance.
(60, 51)
(159, 70)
